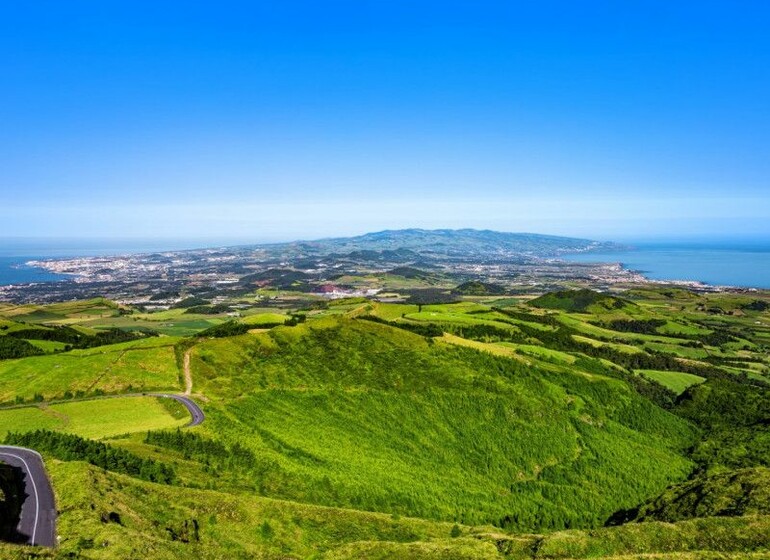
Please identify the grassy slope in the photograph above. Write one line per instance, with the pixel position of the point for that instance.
(156, 521)
(229, 526)
(142, 365)
(416, 413)
(739, 492)
(448, 433)
(61, 313)
(98, 418)
(265, 318)
(677, 381)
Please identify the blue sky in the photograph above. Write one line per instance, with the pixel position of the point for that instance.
(280, 120)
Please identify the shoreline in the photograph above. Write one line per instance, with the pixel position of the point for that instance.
(715, 267)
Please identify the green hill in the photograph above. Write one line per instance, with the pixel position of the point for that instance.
(278, 278)
(449, 242)
(412, 273)
(478, 288)
(578, 301)
(448, 433)
(383, 430)
(107, 515)
(732, 493)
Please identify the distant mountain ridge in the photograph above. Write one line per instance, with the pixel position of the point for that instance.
(455, 242)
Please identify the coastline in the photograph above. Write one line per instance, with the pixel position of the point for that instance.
(705, 268)
(700, 266)
(15, 271)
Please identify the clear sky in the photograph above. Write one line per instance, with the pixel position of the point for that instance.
(287, 119)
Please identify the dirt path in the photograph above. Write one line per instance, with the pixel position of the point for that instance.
(105, 371)
(61, 417)
(187, 373)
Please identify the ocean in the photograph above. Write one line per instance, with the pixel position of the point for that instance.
(718, 263)
(14, 271)
(15, 252)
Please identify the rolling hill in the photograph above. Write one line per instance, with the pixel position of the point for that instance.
(594, 426)
(449, 242)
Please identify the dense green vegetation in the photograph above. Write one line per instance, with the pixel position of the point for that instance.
(729, 493)
(576, 300)
(68, 447)
(230, 328)
(482, 428)
(13, 348)
(643, 326)
(215, 455)
(478, 288)
(488, 451)
(736, 421)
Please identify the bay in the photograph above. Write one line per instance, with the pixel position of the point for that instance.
(15, 252)
(720, 264)
(14, 271)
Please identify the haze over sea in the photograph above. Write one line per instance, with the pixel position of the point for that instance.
(726, 263)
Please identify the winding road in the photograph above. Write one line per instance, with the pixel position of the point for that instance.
(196, 414)
(38, 512)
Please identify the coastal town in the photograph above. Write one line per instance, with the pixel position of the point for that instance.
(386, 266)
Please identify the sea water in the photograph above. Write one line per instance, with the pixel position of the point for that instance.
(15, 252)
(13, 270)
(745, 264)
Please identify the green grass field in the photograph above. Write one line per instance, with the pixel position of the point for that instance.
(471, 445)
(48, 346)
(392, 311)
(455, 318)
(145, 365)
(601, 333)
(541, 352)
(627, 348)
(98, 418)
(239, 526)
(346, 438)
(174, 323)
(265, 319)
(677, 381)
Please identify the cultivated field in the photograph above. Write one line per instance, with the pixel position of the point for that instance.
(494, 427)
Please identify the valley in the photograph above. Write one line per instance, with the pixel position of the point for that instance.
(445, 421)
(385, 281)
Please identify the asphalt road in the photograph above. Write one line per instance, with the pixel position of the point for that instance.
(38, 512)
(196, 414)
